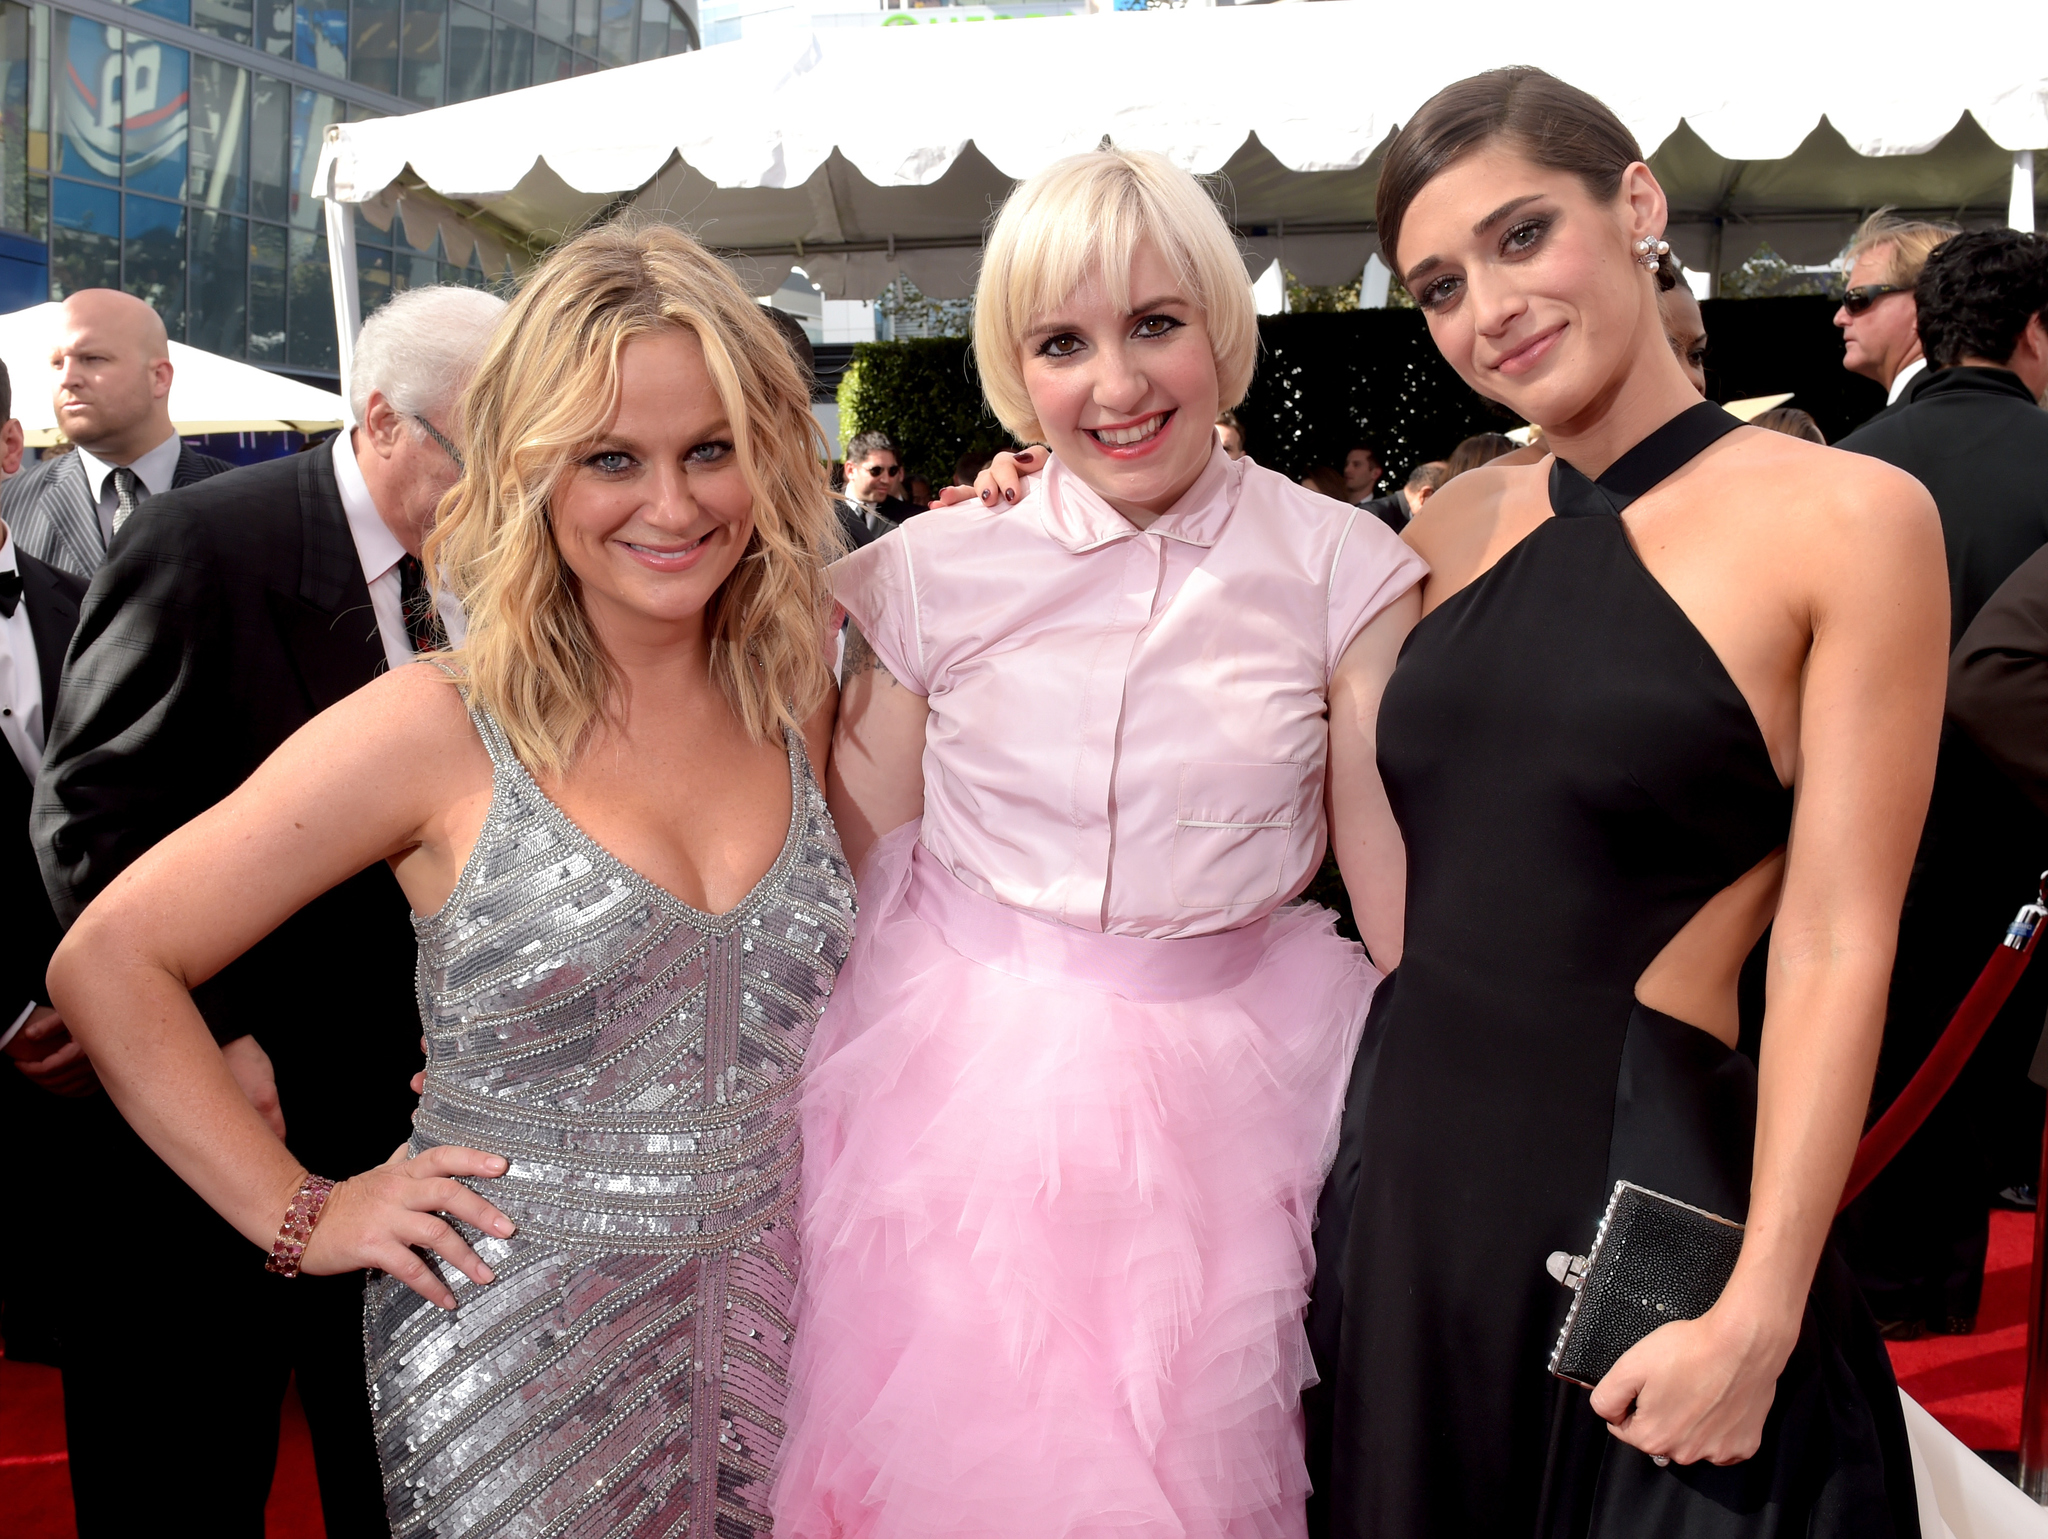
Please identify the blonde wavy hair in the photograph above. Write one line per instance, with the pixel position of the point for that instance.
(1088, 215)
(545, 391)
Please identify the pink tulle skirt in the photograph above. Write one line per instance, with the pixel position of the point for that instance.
(1058, 1188)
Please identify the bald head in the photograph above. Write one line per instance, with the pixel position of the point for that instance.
(111, 369)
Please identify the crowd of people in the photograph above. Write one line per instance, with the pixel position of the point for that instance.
(878, 1077)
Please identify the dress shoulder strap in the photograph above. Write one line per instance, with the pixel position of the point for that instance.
(1656, 459)
(496, 744)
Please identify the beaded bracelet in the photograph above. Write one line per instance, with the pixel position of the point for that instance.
(290, 1245)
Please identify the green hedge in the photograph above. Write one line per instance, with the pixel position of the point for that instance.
(1326, 378)
(925, 395)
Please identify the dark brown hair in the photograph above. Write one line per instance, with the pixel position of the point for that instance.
(1479, 449)
(1555, 125)
(1328, 480)
(1790, 421)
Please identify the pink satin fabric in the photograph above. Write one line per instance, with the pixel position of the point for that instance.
(1129, 727)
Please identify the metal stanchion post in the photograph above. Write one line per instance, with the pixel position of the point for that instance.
(2034, 1410)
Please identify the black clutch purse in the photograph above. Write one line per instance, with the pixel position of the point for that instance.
(1654, 1260)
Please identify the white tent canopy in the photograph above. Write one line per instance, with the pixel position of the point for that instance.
(859, 152)
(209, 394)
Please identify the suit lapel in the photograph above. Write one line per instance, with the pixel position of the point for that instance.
(78, 511)
(328, 627)
(53, 515)
(192, 466)
(52, 617)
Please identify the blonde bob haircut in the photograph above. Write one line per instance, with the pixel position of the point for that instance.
(1088, 215)
(542, 396)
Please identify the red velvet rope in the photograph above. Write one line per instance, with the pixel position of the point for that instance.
(1931, 1082)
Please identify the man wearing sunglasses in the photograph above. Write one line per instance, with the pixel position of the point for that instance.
(1969, 430)
(873, 504)
(1880, 337)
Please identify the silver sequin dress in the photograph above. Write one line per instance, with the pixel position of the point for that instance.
(638, 1063)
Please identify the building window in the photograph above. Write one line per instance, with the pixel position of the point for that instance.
(511, 58)
(85, 238)
(420, 62)
(233, 21)
(309, 334)
(188, 180)
(373, 60)
(24, 120)
(267, 264)
(219, 317)
(321, 36)
(218, 174)
(153, 256)
(469, 53)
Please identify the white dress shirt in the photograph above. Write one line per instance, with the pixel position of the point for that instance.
(154, 470)
(377, 548)
(1904, 378)
(21, 678)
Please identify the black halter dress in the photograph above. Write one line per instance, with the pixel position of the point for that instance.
(1575, 775)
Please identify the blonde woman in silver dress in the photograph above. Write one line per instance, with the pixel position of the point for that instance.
(631, 904)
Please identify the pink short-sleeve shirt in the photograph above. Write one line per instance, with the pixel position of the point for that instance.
(1128, 727)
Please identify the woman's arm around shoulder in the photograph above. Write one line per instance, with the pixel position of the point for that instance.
(1363, 833)
(876, 780)
(394, 772)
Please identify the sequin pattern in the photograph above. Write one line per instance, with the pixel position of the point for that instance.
(638, 1063)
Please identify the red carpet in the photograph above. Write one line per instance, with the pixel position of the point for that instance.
(1973, 1384)
(35, 1481)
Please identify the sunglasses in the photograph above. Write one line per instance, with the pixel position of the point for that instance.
(887, 472)
(1864, 295)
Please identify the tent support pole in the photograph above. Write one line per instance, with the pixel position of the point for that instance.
(2020, 214)
(348, 304)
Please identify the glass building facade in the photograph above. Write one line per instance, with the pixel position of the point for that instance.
(169, 148)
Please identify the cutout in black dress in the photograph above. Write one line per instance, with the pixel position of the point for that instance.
(1575, 775)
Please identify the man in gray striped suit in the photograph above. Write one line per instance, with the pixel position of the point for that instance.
(112, 370)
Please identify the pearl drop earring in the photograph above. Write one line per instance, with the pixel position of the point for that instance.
(1650, 251)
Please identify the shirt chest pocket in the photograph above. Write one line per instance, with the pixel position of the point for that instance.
(1232, 826)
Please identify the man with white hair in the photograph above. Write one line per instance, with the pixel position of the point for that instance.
(111, 393)
(226, 616)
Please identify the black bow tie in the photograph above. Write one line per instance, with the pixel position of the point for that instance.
(10, 592)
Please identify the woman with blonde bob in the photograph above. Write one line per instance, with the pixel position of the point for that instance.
(1073, 1098)
(630, 907)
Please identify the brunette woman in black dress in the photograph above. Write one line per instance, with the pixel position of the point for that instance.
(1682, 681)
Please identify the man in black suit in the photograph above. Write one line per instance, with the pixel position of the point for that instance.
(1397, 507)
(227, 616)
(113, 402)
(1971, 430)
(874, 476)
(38, 608)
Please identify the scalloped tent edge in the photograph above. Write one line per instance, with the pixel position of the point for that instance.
(765, 151)
(209, 393)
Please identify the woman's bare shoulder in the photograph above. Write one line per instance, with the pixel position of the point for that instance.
(410, 724)
(1840, 504)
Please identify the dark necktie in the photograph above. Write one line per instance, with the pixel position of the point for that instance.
(423, 627)
(128, 495)
(10, 593)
